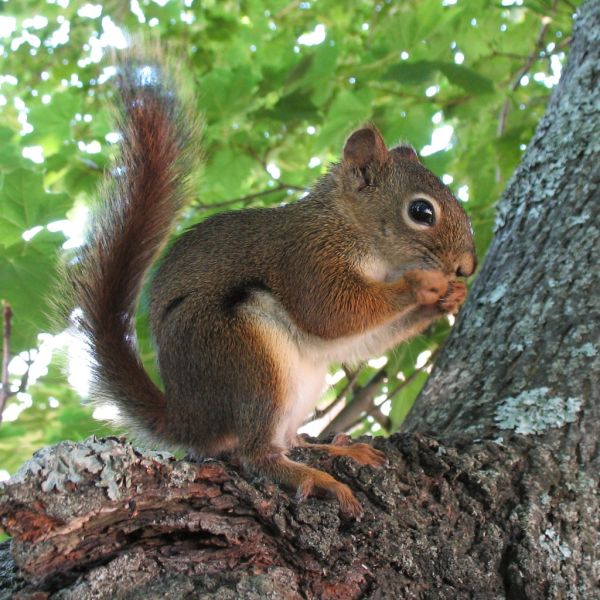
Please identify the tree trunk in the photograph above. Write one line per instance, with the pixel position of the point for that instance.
(502, 503)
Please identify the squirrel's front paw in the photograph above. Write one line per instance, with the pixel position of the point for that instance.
(454, 297)
(428, 287)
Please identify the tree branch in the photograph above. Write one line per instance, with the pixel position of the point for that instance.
(351, 379)
(362, 400)
(375, 411)
(444, 519)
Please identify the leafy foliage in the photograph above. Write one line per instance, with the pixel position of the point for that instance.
(281, 84)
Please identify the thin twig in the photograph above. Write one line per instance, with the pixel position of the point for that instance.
(412, 376)
(250, 197)
(286, 9)
(362, 400)
(533, 56)
(383, 420)
(502, 54)
(566, 42)
(351, 379)
(375, 410)
(6, 330)
(291, 186)
(24, 378)
(570, 5)
(422, 98)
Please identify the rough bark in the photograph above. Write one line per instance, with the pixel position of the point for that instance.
(502, 503)
(100, 519)
(529, 335)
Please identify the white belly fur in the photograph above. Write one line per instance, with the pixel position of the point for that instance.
(305, 359)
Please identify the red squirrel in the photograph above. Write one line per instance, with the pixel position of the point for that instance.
(249, 308)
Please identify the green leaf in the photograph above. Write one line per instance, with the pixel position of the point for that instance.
(10, 155)
(52, 122)
(296, 106)
(27, 272)
(420, 72)
(226, 92)
(237, 168)
(409, 73)
(405, 398)
(468, 79)
(314, 75)
(347, 111)
(42, 424)
(25, 204)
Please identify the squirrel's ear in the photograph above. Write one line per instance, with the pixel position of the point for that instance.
(406, 152)
(365, 147)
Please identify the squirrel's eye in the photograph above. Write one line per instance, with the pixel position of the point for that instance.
(421, 211)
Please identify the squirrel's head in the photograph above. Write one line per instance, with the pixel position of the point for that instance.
(412, 219)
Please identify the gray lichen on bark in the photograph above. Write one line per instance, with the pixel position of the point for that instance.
(536, 410)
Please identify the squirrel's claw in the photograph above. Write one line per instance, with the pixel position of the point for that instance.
(349, 506)
(428, 287)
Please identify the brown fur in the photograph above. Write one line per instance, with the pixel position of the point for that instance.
(246, 304)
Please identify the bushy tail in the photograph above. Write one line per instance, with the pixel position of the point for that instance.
(140, 201)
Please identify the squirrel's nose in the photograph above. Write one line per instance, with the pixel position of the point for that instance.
(466, 265)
